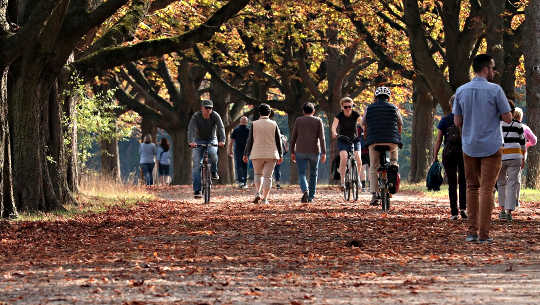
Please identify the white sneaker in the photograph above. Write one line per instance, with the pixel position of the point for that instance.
(265, 201)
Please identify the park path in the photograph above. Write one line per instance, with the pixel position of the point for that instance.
(178, 250)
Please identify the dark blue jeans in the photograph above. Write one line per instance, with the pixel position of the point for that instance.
(241, 167)
(302, 162)
(277, 172)
(147, 169)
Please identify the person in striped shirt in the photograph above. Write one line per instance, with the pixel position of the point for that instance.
(513, 160)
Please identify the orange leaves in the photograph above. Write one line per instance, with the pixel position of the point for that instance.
(284, 253)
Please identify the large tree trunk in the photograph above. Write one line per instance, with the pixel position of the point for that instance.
(181, 173)
(7, 204)
(110, 160)
(532, 67)
(422, 132)
(28, 113)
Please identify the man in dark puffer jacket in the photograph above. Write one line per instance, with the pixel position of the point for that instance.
(382, 124)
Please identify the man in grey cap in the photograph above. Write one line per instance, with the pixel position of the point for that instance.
(205, 127)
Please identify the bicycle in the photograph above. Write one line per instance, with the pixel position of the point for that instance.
(385, 186)
(206, 176)
(351, 172)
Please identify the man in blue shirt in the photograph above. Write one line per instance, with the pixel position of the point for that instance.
(478, 108)
(239, 138)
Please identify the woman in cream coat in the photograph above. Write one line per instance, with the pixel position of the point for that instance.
(264, 149)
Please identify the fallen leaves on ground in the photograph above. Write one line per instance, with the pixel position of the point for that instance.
(178, 249)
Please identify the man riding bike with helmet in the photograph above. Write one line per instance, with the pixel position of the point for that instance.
(382, 125)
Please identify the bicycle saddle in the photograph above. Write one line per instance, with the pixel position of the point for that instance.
(382, 148)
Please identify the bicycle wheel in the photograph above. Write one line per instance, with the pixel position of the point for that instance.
(354, 181)
(385, 200)
(207, 185)
(347, 188)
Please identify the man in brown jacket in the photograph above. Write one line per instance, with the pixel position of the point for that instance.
(307, 147)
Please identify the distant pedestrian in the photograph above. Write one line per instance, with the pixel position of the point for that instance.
(164, 160)
(147, 153)
(237, 145)
(264, 149)
(478, 109)
(307, 148)
(452, 160)
(513, 160)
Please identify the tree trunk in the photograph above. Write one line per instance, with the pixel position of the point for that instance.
(422, 132)
(494, 36)
(28, 100)
(110, 160)
(293, 176)
(181, 173)
(148, 127)
(72, 155)
(225, 165)
(532, 67)
(7, 204)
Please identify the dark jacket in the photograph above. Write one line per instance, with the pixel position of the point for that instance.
(382, 124)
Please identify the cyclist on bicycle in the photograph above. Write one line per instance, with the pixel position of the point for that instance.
(202, 129)
(382, 125)
(345, 124)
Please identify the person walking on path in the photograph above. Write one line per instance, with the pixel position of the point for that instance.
(238, 141)
(452, 160)
(344, 124)
(513, 160)
(478, 108)
(307, 147)
(163, 160)
(205, 127)
(147, 152)
(264, 148)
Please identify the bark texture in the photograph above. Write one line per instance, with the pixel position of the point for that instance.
(422, 132)
(110, 159)
(532, 66)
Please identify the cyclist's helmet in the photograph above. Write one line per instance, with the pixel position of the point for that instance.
(382, 91)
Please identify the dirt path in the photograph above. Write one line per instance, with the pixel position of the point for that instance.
(177, 250)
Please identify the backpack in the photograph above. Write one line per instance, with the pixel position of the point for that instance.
(452, 141)
(434, 177)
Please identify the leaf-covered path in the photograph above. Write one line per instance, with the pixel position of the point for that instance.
(178, 250)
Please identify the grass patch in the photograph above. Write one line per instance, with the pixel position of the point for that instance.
(526, 194)
(97, 195)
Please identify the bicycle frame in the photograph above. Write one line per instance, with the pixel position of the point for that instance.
(206, 179)
(351, 173)
(384, 190)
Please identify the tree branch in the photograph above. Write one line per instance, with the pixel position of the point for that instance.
(163, 71)
(235, 92)
(96, 63)
(137, 79)
(124, 29)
